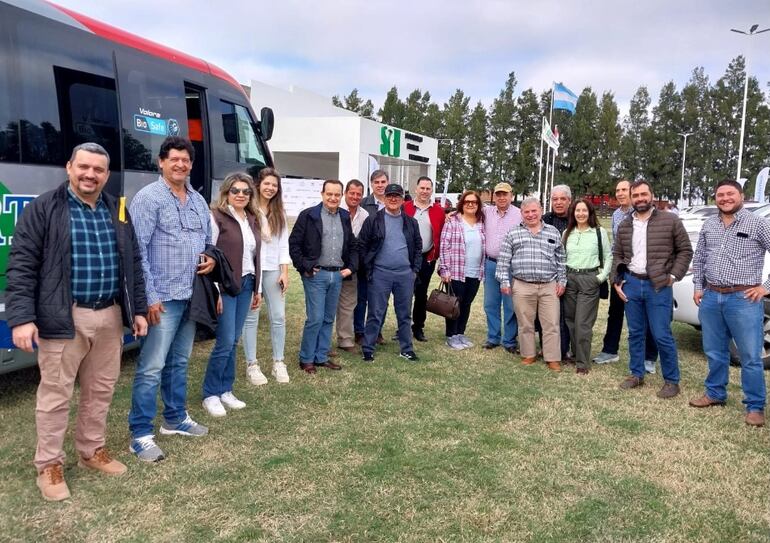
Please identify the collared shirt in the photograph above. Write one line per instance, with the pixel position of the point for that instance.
(95, 263)
(582, 250)
(332, 240)
(617, 217)
(171, 236)
(534, 258)
(422, 214)
(357, 220)
(249, 241)
(497, 225)
(638, 262)
(733, 255)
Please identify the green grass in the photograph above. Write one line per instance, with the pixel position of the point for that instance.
(467, 446)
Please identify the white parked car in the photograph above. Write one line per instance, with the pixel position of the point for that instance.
(685, 309)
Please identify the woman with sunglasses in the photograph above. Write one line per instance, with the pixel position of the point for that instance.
(275, 262)
(461, 262)
(235, 231)
(587, 267)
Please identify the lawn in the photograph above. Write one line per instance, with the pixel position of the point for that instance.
(463, 446)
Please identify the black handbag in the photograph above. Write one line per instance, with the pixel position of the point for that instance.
(443, 302)
(604, 287)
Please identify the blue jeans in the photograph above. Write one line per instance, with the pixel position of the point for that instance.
(220, 372)
(492, 300)
(725, 316)
(274, 300)
(650, 307)
(381, 284)
(163, 363)
(322, 292)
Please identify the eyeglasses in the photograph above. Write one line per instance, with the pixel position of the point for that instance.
(236, 191)
(471, 202)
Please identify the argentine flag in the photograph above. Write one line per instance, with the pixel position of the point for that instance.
(563, 98)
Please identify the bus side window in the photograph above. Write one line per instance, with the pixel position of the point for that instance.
(241, 143)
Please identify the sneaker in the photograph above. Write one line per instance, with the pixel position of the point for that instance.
(649, 366)
(187, 427)
(605, 358)
(409, 355)
(255, 375)
(230, 401)
(455, 343)
(368, 357)
(465, 341)
(51, 483)
(102, 461)
(280, 373)
(213, 406)
(145, 449)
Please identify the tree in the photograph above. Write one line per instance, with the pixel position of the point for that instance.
(478, 147)
(633, 154)
(606, 162)
(528, 122)
(414, 111)
(696, 117)
(353, 102)
(580, 146)
(393, 109)
(455, 115)
(502, 133)
(665, 150)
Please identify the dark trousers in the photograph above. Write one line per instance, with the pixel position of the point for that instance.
(466, 292)
(421, 284)
(381, 284)
(615, 317)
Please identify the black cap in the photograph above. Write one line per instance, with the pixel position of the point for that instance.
(394, 188)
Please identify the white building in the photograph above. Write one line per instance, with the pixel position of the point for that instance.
(313, 139)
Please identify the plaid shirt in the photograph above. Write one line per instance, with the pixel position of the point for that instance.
(95, 266)
(171, 235)
(732, 256)
(452, 249)
(534, 258)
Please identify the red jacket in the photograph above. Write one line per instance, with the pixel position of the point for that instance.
(436, 216)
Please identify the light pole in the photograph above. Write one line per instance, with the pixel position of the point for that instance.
(684, 154)
(752, 32)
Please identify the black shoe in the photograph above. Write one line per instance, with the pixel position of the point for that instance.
(512, 349)
(394, 337)
(368, 357)
(489, 346)
(419, 335)
(409, 355)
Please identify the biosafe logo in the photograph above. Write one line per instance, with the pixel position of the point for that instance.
(390, 144)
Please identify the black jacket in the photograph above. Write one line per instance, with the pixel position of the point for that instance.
(372, 236)
(203, 304)
(40, 266)
(370, 204)
(305, 241)
(560, 223)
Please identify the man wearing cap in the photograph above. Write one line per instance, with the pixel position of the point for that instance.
(430, 218)
(392, 255)
(498, 221)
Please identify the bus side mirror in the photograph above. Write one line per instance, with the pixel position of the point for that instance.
(230, 127)
(266, 122)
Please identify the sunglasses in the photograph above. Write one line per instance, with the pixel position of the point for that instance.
(236, 191)
(471, 202)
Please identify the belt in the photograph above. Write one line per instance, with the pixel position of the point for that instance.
(331, 268)
(642, 276)
(99, 304)
(729, 290)
(533, 282)
(492, 259)
(582, 270)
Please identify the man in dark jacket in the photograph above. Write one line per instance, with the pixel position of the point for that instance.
(392, 248)
(651, 252)
(324, 252)
(74, 280)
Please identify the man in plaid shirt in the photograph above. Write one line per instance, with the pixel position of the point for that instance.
(727, 275)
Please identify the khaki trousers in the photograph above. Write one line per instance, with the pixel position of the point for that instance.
(345, 308)
(532, 300)
(93, 357)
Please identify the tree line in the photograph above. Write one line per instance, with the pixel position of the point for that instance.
(501, 142)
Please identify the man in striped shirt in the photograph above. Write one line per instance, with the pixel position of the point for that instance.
(730, 293)
(533, 255)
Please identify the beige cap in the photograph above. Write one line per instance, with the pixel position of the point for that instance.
(503, 187)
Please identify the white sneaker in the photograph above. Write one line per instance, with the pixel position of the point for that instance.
(467, 343)
(455, 343)
(649, 366)
(279, 372)
(214, 406)
(229, 399)
(255, 375)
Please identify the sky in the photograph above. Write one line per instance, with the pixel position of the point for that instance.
(332, 46)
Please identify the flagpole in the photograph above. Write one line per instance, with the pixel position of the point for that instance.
(550, 118)
(546, 192)
(540, 163)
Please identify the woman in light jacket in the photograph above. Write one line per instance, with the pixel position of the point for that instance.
(586, 270)
(461, 262)
(275, 262)
(235, 231)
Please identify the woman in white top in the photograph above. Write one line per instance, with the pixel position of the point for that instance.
(275, 262)
(235, 231)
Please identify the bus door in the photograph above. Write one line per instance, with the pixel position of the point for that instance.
(197, 132)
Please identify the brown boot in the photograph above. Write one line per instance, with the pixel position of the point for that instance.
(669, 390)
(755, 418)
(528, 360)
(705, 401)
(632, 381)
(554, 366)
(102, 461)
(51, 483)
